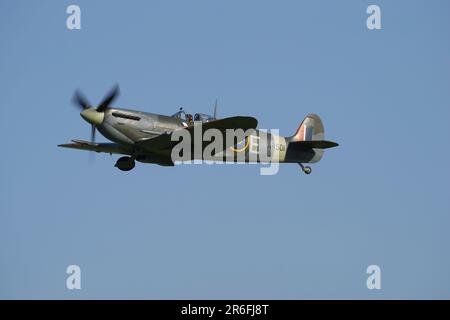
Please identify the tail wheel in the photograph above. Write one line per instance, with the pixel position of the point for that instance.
(306, 169)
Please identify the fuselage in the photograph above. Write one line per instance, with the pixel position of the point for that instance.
(125, 127)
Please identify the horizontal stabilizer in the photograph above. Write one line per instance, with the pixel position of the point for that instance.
(312, 144)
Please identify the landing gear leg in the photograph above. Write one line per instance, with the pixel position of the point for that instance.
(306, 169)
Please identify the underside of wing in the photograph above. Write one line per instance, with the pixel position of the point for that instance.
(163, 143)
(98, 147)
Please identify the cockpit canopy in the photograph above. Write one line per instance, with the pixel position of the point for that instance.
(180, 115)
(189, 119)
(203, 117)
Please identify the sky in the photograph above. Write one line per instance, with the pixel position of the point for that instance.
(225, 231)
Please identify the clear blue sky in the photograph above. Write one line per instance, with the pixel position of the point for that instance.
(221, 231)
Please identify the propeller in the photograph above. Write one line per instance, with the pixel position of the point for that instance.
(93, 133)
(92, 154)
(80, 100)
(95, 115)
(112, 95)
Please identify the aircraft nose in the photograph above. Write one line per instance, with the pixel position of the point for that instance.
(93, 116)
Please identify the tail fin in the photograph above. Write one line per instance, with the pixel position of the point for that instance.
(310, 129)
(309, 139)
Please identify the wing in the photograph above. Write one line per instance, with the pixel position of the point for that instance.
(98, 147)
(162, 144)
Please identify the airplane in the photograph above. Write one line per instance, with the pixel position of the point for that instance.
(146, 137)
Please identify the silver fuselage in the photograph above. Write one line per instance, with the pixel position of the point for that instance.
(125, 127)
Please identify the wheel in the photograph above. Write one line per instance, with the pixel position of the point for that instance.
(125, 163)
(307, 170)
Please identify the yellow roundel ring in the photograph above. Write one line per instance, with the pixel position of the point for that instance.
(247, 142)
